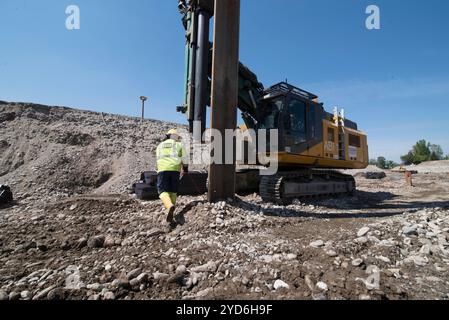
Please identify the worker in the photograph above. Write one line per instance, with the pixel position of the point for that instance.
(171, 166)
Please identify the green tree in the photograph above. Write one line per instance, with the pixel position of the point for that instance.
(436, 152)
(382, 163)
(423, 151)
(408, 159)
(391, 164)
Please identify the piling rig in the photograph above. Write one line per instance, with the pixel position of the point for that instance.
(312, 144)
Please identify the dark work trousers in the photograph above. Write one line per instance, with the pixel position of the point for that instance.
(168, 181)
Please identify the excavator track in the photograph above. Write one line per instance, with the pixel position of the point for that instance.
(284, 187)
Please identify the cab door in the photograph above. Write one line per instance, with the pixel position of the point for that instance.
(295, 125)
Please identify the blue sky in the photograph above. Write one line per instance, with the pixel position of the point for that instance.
(394, 82)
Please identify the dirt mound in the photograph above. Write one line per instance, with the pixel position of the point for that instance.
(442, 163)
(430, 167)
(62, 151)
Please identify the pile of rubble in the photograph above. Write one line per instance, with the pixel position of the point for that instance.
(63, 152)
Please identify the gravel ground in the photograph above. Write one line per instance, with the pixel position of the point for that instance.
(71, 235)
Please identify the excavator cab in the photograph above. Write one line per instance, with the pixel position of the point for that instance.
(292, 112)
(308, 135)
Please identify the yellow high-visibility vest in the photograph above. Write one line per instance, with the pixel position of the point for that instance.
(170, 155)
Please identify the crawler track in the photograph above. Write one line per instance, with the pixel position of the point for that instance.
(283, 187)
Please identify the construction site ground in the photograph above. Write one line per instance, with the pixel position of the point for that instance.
(74, 231)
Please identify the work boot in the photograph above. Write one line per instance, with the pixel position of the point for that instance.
(171, 214)
(180, 219)
(168, 204)
(170, 227)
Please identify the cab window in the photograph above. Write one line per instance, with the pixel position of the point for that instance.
(270, 114)
(296, 119)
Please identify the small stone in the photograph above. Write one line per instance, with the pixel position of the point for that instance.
(181, 269)
(322, 286)
(317, 244)
(420, 261)
(383, 259)
(3, 296)
(96, 242)
(219, 221)
(331, 253)
(425, 249)
(372, 269)
(95, 287)
(357, 262)
(364, 297)
(159, 276)
(195, 279)
(134, 273)
(279, 284)
(319, 296)
(73, 207)
(14, 296)
(123, 283)
(135, 283)
(309, 282)
(204, 293)
(26, 295)
(43, 294)
(108, 268)
(211, 266)
(267, 258)
(434, 279)
(291, 256)
(396, 273)
(142, 278)
(407, 241)
(94, 297)
(56, 294)
(109, 242)
(362, 232)
(176, 278)
(361, 240)
(439, 268)
(109, 296)
(410, 230)
(155, 232)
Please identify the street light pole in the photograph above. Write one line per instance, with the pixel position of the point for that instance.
(143, 99)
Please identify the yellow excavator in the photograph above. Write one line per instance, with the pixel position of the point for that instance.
(312, 143)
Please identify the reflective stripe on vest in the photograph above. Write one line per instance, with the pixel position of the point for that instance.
(162, 152)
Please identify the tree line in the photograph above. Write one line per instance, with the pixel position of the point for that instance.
(421, 152)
